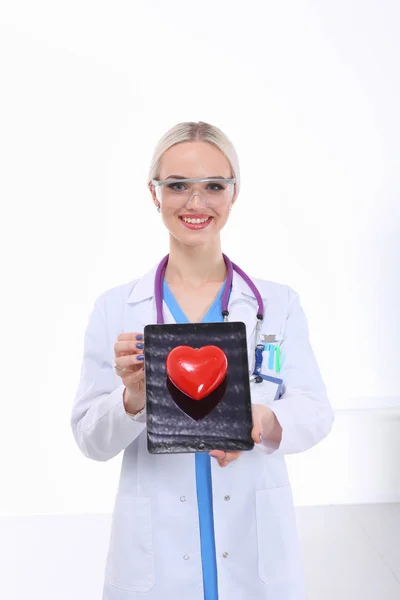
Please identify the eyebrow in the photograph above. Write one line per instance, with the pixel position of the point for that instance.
(183, 177)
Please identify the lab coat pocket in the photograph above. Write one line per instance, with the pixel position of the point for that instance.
(130, 561)
(278, 546)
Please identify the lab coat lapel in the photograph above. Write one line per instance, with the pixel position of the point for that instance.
(142, 297)
(141, 302)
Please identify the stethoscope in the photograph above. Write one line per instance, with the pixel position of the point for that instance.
(158, 286)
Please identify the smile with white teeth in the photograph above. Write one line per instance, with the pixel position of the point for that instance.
(187, 220)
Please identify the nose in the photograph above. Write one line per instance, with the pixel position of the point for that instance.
(196, 201)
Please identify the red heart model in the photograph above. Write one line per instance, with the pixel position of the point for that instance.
(196, 371)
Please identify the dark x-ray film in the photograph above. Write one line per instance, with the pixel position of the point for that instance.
(176, 421)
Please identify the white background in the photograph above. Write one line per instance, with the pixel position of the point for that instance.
(308, 91)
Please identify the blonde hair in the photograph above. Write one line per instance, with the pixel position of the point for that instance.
(195, 132)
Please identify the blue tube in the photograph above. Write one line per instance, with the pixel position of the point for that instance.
(259, 359)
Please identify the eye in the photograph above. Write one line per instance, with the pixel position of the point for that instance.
(215, 187)
(176, 187)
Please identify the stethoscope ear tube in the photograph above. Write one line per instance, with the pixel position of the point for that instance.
(158, 283)
(232, 267)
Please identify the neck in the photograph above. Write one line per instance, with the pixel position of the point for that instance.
(195, 265)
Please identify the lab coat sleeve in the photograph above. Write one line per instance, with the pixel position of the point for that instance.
(100, 425)
(303, 410)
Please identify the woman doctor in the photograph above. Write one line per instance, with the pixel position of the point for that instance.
(198, 527)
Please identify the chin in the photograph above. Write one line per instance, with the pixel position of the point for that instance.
(194, 241)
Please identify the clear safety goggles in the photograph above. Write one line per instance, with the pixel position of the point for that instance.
(177, 193)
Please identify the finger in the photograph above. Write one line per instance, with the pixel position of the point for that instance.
(229, 458)
(136, 336)
(218, 454)
(230, 455)
(128, 347)
(224, 458)
(129, 361)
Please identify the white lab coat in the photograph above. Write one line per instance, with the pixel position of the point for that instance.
(154, 550)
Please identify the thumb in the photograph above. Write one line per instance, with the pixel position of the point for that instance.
(257, 432)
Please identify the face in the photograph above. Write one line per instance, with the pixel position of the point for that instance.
(194, 160)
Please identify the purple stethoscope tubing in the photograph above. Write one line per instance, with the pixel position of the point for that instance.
(159, 277)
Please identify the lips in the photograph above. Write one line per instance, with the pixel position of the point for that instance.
(195, 221)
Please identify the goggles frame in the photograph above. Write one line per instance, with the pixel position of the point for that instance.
(158, 183)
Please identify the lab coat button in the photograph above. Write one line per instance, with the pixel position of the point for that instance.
(225, 555)
(186, 557)
(227, 498)
(183, 499)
